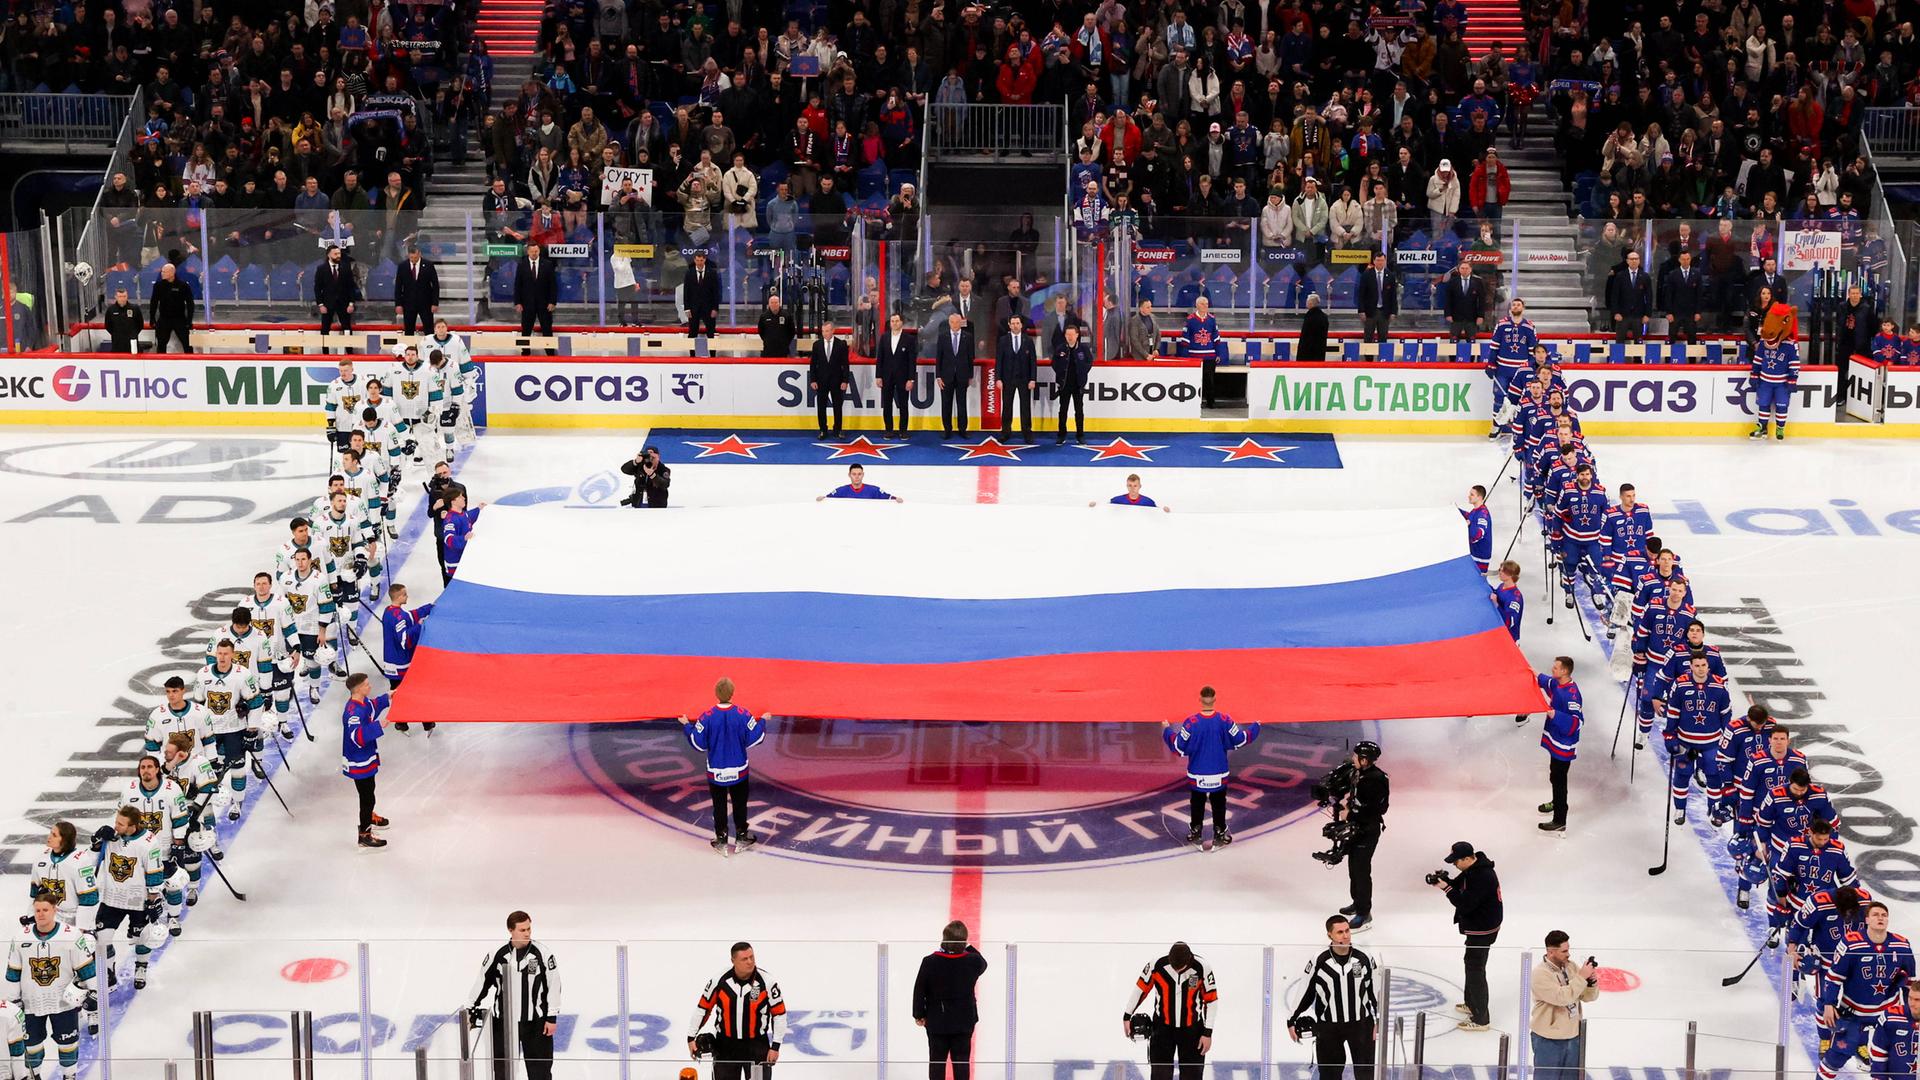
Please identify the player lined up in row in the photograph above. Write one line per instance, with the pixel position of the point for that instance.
(1785, 829)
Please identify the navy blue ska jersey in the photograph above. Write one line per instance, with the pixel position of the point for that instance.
(1895, 1046)
(1806, 870)
(1783, 817)
(1868, 977)
(1819, 925)
(1698, 713)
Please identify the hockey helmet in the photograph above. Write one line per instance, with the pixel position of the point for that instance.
(325, 655)
(402, 348)
(200, 841)
(1753, 872)
(73, 997)
(1741, 847)
(154, 934)
(1304, 1025)
(177, 883)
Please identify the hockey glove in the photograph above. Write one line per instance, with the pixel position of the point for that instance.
(450, 416)
(412, 448)
(360, 565)
(476, 1016)
(256, 740)
(102, 836)
(242, 708)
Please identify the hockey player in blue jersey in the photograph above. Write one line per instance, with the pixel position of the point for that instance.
(1773, 373)
(1623, 540)
(400, 633)
(1660, 632)
(1582, 509)
(455, 530)
(1784, 812)
(1206, 739)
(1698, 711)
(1509, 365)
(1660, 680)
(1814, 934)
(1894, 1048)
(725, 733)
(1870, 973)
(1560, 737)
(1479, 527)
(1653, 584)
(1508, 599)
(1815, 861)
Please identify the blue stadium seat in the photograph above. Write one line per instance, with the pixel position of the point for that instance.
(380, 280)
(222, 280)
(1343, 288)
(251, 285)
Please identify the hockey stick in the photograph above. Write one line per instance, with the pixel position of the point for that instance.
(293, 691)
(276, 792)
(1626, 696)
(199, 823)
(1666, 816)
(1547, 562)
(1503, 474)
(1579, 616)
(368, 653)
(1732, 979)
(1516, 536)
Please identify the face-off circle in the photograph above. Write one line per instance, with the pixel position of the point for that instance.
(931, 796)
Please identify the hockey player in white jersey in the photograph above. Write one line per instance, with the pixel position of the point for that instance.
(273, 617)
(450, 400)
(192, 772)
(231, 693)
(463, 380)
(251, 648)
(309, 593)
(132, 872)
(413, 401)
(301, 540)
(64, 871)
(13, 1032)
(352, 545)
(50, 973)
(344, 395)
(364, 487)
(379, 453)
(356, 498)
(164, 813)
(178, 713)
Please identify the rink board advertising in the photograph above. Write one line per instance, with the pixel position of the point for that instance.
(1432, 398)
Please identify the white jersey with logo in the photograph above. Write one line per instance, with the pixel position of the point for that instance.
(222, 692)
(273, 617)
(310, 598)
(251, 650)
(163, 809)
(131, 869)
(343, 537)
(193, 775)
(412, 391)
(455, 349)
(356, 500)
(40, 967)
(344, 400)
(383, 442)
(69, 879)
(163, 721)
(283, 559)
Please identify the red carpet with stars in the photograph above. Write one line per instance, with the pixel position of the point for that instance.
(1167, 449)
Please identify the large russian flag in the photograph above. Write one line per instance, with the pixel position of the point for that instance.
(965, 612)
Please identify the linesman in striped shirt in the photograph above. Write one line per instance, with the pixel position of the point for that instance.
(1343, 1004)
(1186, 1002)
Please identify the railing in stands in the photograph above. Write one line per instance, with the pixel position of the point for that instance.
(90, 246)
(72, 120)
(996, 131)
(1894, 130)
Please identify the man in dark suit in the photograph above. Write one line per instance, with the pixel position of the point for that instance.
(701, 294)
(944, 1002)
(895, 370)
(953, 371)
(170, 306)
(1685, 293)
(829, 376)
(335, 292)
(1072, 367)
(534, 294)
(124, 322)
(1464, 302)
(1378, 299)
(416, 292)
(1629, 301)
(1768, 277)
(1016, 368)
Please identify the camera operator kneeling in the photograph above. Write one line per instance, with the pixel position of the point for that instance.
(650, 479)
(1477, 911)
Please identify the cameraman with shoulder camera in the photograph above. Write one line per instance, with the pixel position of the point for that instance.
(1339, 1007)
(1477, 911)
(1559, 988)
(1359, 793)
(651, 478)
(1185, 999)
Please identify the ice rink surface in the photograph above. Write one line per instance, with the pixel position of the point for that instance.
(1057, 842)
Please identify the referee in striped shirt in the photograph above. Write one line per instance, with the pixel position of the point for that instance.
(1341, 998)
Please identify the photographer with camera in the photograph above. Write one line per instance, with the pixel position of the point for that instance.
(1185, 1001)
(1477, 911)
(651, 477)
(1340, 1006)
(1559, 988)
(1356, 796)
(536, 999)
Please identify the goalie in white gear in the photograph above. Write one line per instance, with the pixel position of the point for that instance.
(195, 834)
(178, 713)
(309, 593)
(50, 973)
(230, 693)
(273, 617)
(462, 377)
(132, 872)
(64, 871)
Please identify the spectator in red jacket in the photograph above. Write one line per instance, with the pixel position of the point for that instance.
(1490, 187)
(1018, 76)
(1121, 130)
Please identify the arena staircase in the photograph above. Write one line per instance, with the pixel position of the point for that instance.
(1488, 21)
(510, 28)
